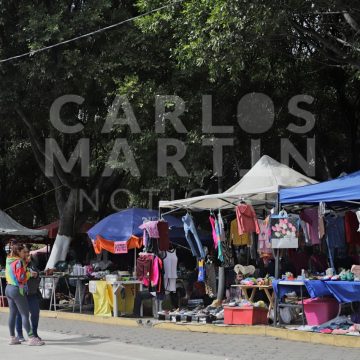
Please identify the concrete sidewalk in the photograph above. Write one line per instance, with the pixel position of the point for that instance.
(89, 324)
(62, 346)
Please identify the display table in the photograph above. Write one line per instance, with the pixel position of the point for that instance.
(268, 290)
(283, 287)
(344, 291)
(51, 286)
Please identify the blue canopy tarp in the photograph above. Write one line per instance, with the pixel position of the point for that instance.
(345, 188)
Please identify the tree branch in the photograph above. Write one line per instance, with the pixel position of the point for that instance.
(325, 43)
(351, 21)
(40, 155)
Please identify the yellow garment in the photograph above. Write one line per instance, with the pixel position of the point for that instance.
(124, 305)
(236, 239)
(103, 299)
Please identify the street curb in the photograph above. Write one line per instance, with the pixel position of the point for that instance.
(83, 317)
(285, 334)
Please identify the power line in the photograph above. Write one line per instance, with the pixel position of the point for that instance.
(31, 53)
(35, 197)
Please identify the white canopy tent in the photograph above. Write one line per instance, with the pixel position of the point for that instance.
(8, 226)
(260, 185)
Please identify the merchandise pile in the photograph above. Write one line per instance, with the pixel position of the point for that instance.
(339, 326)
(210, 314)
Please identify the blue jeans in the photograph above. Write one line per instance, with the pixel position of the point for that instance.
(17, 305)
(192, 237)
(34, 309)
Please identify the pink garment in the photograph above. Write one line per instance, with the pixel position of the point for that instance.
(246, 219)
(311, 216)
(155, 274)
(155, 271)
(264, 245)
(214, 234)
(152, 228)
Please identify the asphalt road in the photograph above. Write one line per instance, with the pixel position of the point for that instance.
(76, 340)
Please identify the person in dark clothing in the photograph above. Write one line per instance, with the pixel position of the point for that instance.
(33, 297)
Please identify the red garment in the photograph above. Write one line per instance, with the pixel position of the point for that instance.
(164, 242)
(351, 227)
(300, 260)
(246, 219)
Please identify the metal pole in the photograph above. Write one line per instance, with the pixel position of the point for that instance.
(277, 256)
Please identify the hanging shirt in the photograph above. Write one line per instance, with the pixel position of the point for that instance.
(351, 226)
(311, 216)
(236, 239)
(247, 220)
(170, 271)
(305, 228)
(215, 234)
(163, 229)
(335, 231)
(219, 244)
(321, 213)
(152, 228)
(264, 245)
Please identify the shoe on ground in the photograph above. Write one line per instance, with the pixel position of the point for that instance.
(34, 341)
(14, 341)
(21, 339)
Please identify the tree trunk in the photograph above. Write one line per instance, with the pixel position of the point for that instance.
(66, 230)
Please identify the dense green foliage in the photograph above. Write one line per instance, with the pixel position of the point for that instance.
(226, 48)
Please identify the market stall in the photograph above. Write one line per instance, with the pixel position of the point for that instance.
(330, 212)
(241, 221)
(133, 229)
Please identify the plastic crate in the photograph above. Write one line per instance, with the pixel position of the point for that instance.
(245, 315)
(320, 310)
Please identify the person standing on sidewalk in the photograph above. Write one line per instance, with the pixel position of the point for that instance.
(16, 278)
(33, 297)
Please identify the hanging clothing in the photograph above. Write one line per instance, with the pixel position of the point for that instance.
(218, 236)
(246, 219)
(264, 244)
(201, 269)
(253, 246)
(146, 239)
(321, 214)
(215, 233)
(102, 295)
(151, 227)
(210, 280)
(221, 236)
(335, 234)
(164, 241)
(170, 271)
(236, 239)
(351, 224)
(193, 240)
(305, 228)
(311, 216)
